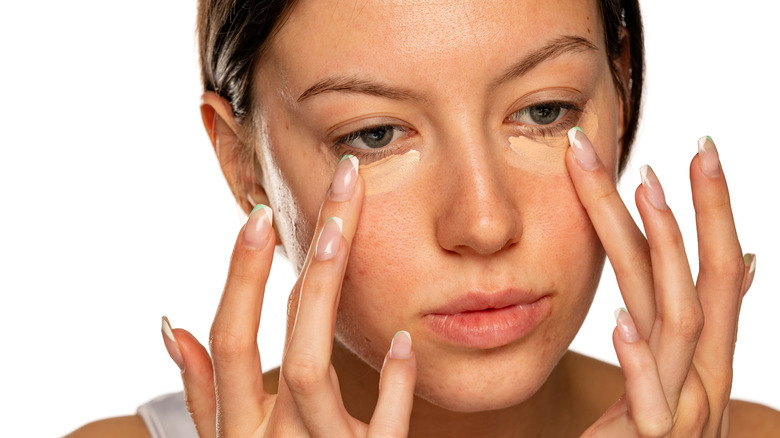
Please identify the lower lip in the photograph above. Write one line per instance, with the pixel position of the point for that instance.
(492, 328)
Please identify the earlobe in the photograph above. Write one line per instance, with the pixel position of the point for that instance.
(237, 163)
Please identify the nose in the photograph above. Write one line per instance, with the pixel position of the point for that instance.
(478, 214)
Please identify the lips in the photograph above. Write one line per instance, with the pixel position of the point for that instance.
(484, 321)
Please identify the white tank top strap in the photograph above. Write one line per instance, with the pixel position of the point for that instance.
(166, 417)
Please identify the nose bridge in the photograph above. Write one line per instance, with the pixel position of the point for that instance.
(479, 215)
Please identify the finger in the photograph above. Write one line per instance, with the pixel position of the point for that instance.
(197, 376)
(645, 396)
(396, 390)
(623, 242)
(721, 262)
(233, 339)
(678, 311)
(306, 367)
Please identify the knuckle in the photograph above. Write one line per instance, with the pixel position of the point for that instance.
(605, 192)
(304, 372)
(656, 425)
(728, 267)
(689, 322)
(226, 344)
(643, 266)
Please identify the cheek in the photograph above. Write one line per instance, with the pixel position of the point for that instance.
(382, 278)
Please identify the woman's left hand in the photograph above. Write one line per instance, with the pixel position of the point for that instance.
(677, 346)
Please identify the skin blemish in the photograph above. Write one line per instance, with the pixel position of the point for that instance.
(389, 173)
(546, 155)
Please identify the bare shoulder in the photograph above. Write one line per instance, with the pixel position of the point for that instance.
(752, 420)
(131, 426)
(604, 384)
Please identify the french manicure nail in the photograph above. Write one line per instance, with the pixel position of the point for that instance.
(708, 157)
(171, 345)
(343, 185)
(401, 347)
(653, 189)
(750, 265)
(330, 238)
(583, 149)
(625, 325)
(258, 227)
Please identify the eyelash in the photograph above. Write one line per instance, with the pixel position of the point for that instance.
(341, 147)
(573, 112)
(568, 121)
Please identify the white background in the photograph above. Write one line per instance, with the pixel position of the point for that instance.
(113, 211)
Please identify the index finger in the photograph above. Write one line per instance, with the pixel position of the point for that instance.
(233, 338)
(623, 242)
(306, 367)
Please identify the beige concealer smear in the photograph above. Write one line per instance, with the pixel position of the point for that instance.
(546, 155)
(389, 173)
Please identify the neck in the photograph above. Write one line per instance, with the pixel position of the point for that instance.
(549, 412)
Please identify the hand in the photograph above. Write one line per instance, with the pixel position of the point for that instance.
(676, 347)
(225, 393)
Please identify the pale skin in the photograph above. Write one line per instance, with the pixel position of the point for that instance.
(486, 226)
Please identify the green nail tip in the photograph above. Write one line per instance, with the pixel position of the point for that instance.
(579, 129)
(345, 157)
(710, 139)
(257, 207)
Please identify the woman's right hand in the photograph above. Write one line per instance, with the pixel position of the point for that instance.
(224, 392)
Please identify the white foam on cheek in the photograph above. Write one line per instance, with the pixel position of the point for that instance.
(389, 173)
(546, 155)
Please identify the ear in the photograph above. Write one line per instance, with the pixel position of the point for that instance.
(223, 132)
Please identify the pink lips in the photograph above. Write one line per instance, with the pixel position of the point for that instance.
(480, 320)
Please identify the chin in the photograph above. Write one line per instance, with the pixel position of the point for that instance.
(488, 380)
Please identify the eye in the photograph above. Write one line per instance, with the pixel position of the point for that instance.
(541, 114)
(375, 137)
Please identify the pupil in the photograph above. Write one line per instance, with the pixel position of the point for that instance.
(544, 114)
(377, 137)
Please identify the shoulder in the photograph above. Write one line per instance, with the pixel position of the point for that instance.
(167, 414)
(752, 420)
(131, 426)
(605, 384)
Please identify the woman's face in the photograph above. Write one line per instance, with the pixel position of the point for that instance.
(471, 236)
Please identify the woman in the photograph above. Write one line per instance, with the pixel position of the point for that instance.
(477, 222)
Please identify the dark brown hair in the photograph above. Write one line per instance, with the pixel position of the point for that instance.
(232, 35)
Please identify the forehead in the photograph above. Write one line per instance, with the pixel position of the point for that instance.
(421, 39)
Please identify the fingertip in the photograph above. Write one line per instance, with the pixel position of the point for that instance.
(750, 270)
(258, 229)
(401, 346)
(625, 326)
(171, 345)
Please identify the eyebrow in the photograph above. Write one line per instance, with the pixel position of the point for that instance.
(351, 84)
(553, 49)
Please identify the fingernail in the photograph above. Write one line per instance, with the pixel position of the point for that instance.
(401, 347)
(343, 185)
(708, 157)
(330, 238)
(653, 189)
(583, 149)
(257, 231)
(626, 326)
(750, 265)
(171, 345)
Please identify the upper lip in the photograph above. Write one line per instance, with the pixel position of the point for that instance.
(477, 301)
